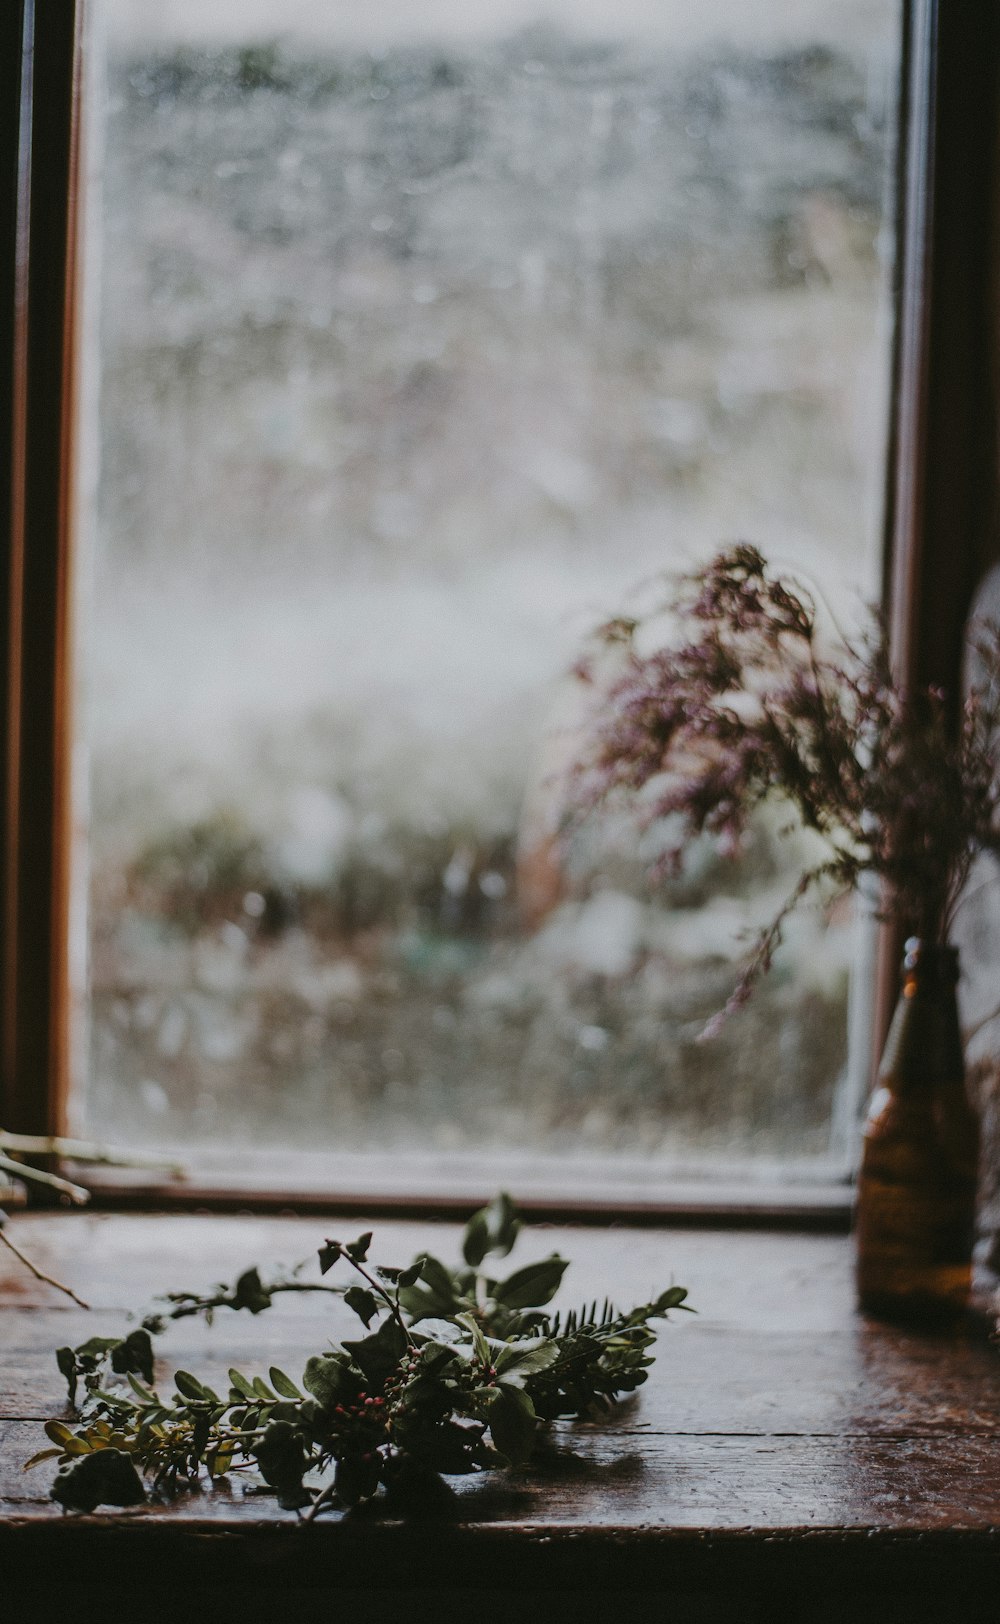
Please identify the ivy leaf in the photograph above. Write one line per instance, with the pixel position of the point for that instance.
(134, 1353)
(512, 1423)
(357, 1478)
(410, 1276)
(329, 1253)
(363, 1302)
(104, 1477)
(435, 1297)
(358, 1250)
(95, 1348)
(327, 1378)
(282, 1461)
(66, 1360)
(379, 1354)
(531, 1286)
(250, 1293)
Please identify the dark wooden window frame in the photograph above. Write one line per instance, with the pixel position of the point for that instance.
(941, 498)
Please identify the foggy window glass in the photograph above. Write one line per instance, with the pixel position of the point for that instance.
(418, 336)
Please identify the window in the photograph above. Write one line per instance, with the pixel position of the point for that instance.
(236, 890)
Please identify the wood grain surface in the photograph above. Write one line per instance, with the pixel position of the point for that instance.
(781, 1440)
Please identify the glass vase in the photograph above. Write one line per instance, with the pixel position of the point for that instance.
(916, 1203)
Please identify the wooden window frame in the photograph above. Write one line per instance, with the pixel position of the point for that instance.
(940, 526)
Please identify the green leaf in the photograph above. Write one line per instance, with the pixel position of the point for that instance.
(436, 1356)
(261, 1390)
(479, 1342)
(242, 1385)
(379, 1354)
(219, 1459)
(66, 1360)
(281, 1458)
(672, 1298)
(530, 1287)
(78, 1444)
(283, 1384)
(189, 1386)
(96, 1347)
(493, 1229)
(134, 1353)
(358, 1250)
(329, 1253)
(140, 1391)
(409, 1277)
(516, 1360)
(250, 1293)
(43, 1454)
(327, 1378)
(435, 1298)
(105, 1478)
(512, 1423)
(363, 1302)
(59, 1432)
(356, 1479)
(476, 1240)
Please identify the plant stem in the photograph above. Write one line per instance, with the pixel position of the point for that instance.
(393, 1302)
(39, 1274)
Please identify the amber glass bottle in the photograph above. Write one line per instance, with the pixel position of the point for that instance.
(917, 1185)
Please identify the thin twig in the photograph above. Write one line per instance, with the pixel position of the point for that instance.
(39, 1274)
(393, 1302)
(185, 1306)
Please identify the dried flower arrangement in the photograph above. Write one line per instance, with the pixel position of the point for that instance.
(457, 1371)
(755, 701)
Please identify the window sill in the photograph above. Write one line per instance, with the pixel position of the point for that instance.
(593, 1190)
(781, 1440)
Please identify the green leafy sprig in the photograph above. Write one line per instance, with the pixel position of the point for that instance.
(457, 1371)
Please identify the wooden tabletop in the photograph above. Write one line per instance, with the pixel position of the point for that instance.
(781, 1440)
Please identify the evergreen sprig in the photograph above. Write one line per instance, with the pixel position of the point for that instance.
(456, 1372)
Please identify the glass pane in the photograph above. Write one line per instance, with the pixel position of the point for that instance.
(417, 344)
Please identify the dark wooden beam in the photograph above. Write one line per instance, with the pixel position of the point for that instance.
(38, 453)
(942, 507)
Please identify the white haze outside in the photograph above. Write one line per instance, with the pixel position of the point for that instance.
(422, 343)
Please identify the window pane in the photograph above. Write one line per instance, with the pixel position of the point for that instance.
(417, 346)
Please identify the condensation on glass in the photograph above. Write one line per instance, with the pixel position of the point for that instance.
(414, 346)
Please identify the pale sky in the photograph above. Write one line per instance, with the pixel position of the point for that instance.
(864, 24)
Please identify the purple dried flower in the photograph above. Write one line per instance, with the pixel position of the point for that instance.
(750, 707)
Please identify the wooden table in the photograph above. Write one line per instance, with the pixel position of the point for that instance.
(785, 1454)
